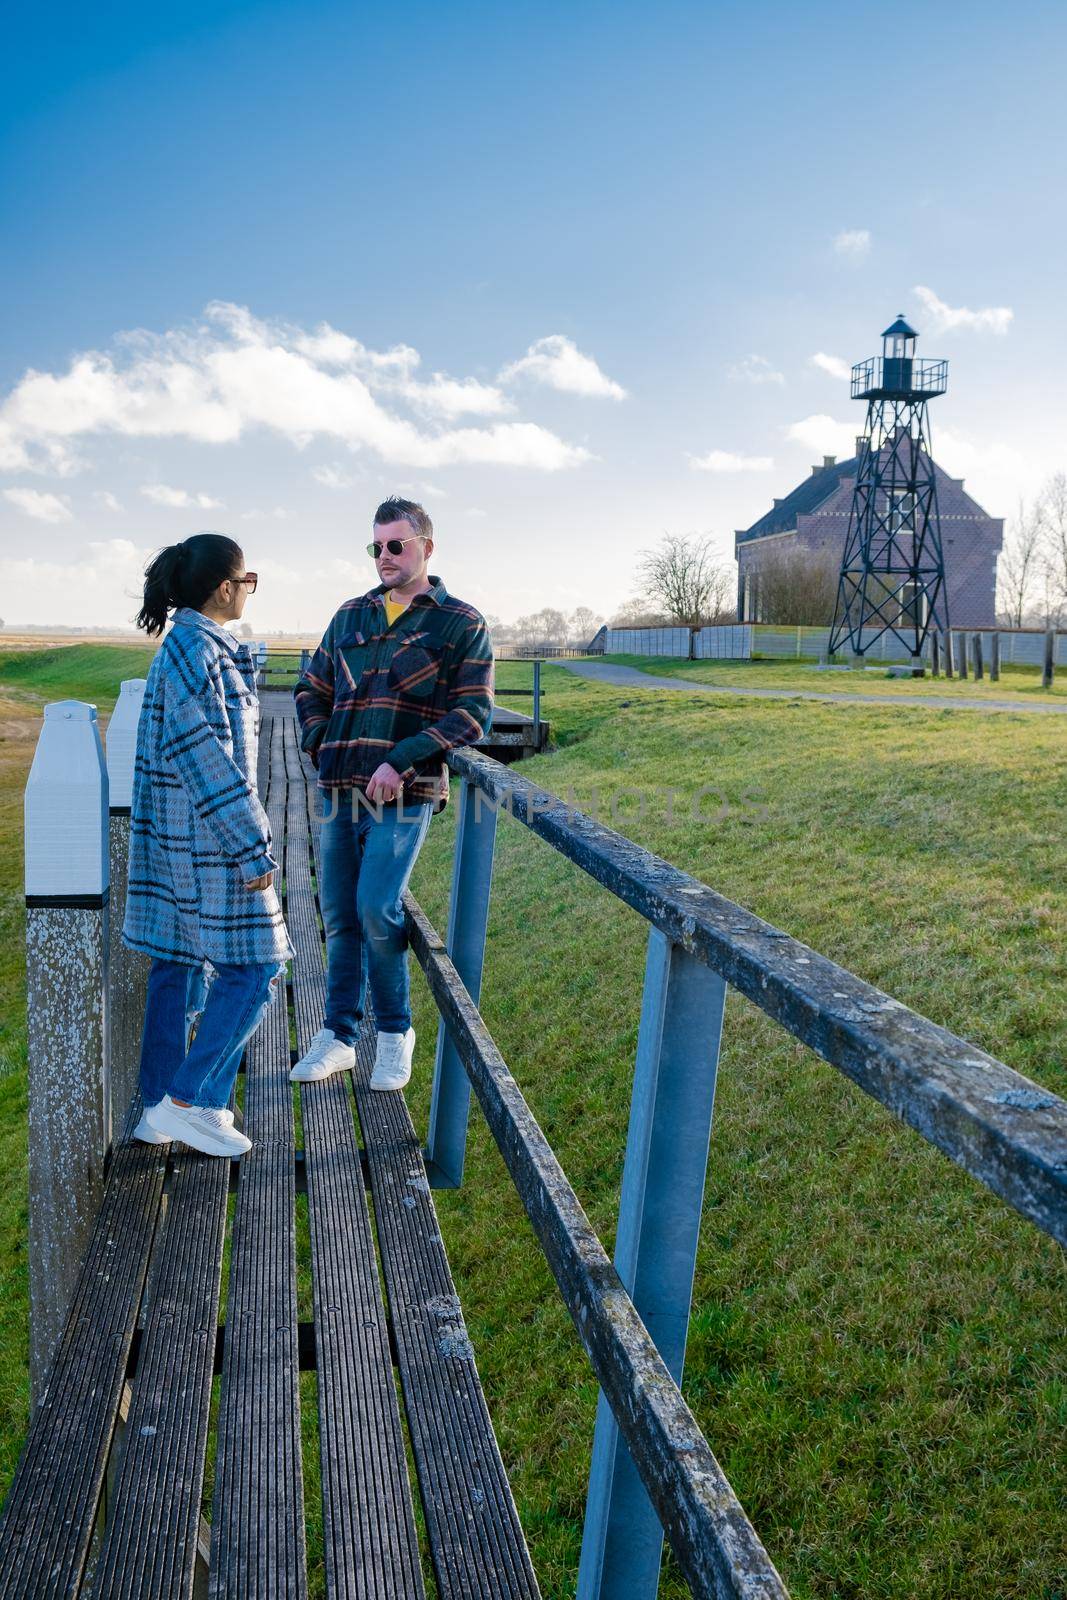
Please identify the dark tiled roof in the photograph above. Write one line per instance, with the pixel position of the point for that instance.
(805, 498)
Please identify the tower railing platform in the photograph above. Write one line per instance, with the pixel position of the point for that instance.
(899, 377)
(109, 1496)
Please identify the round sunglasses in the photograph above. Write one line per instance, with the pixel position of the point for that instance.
(394, 546)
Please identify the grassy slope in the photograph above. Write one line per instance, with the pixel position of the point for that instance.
(1015, 683)
(872, 1350)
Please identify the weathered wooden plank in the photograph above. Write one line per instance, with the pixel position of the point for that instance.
(370, 1539)
(51, 1510)
(476, 1541)
(257, 1533)
(150, 1544)
(716, 1546)
(999, 1126)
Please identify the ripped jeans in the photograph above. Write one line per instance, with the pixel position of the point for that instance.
(367, 859)
(204, 1074)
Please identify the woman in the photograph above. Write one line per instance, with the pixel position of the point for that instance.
(201, 870)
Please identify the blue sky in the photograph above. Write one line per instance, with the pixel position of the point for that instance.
(619, 233)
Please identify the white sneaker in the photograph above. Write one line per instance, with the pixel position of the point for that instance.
(325, 1054)
(392, 1060)
(203, 1128)
(147, 1134)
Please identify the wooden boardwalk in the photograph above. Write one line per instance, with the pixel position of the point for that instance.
(108, 1499)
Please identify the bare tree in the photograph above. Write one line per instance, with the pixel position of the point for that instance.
(1019, 570)
(548, 626)
(638, 614)
(1053, 509)
(796, 586)
(583, 624)
(681, 577)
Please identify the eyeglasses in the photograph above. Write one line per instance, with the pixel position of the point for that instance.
(394, 546)
(250, 580)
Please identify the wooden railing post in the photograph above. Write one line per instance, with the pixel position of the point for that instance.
(656, 1243)
(961, 655)
(1048, 671)
(994, 656)
(66, 864)
(946, 651)
(128, 971)
(468, 914)
(979, 668)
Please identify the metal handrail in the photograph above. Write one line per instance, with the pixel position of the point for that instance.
(999, 1126)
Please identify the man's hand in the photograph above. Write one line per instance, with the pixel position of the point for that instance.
(385, 783)
(261, 883)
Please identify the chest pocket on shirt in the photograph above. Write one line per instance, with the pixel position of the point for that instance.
(353, 661)
(414, 668)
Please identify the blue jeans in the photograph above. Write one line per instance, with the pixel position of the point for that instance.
(204, 1074)
(367, 857)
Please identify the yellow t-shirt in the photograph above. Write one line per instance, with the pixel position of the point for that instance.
(394, 609)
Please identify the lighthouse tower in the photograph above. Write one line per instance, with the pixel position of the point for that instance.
(893, 571)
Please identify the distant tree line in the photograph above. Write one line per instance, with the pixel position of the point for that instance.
(546, 629)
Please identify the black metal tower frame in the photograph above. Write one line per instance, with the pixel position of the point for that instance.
(892, 577)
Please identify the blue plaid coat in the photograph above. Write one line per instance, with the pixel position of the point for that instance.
(198, 832)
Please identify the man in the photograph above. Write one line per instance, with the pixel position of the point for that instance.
(402, 675)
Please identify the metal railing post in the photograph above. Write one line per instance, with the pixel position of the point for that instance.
(66, 859)
(468, 913)
(128, 969)
(656, 1244)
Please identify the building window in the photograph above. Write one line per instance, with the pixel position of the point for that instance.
(901, 511)
(913, 613)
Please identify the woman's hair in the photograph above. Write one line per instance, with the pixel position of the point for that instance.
(184, 575)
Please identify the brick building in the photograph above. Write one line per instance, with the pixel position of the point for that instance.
(814, 517)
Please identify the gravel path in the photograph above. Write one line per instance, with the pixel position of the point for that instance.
(632, 678)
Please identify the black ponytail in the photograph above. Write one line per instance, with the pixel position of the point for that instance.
(184, 575)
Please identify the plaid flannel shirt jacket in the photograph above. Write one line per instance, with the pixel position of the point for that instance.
(404, 694)
(198, 832)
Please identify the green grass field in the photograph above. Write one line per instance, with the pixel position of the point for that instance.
(876, 1347)
(1014, 683)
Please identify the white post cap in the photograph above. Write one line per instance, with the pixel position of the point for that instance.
(122, 741)
(66, 805)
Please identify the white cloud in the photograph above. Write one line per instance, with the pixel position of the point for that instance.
(833, 365)
(727, 461)
(101, 587)
(557, 362)
(279, 514)
(178, 499)
(109, 501)
(853, 243)
(475, 511)
(756, 369)
(233, 374)
(824, 435)
(951, 319)
(35, 503)
(334, 477)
